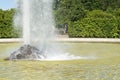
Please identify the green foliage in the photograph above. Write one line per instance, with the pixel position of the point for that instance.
(84, 18)
(100, 4)
(96, 25)
(99, 14)
(68, 11)
(6, 26)
(116, 12)
(89, 18)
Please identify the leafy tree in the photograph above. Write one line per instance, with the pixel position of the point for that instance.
(68, 11)
(96, 24)
(100, 4)
(6, 24)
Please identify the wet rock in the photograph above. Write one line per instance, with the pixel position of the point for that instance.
(26, 52)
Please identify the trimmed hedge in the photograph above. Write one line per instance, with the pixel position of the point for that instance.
(97, 24)
(6, 27)
(99, 14)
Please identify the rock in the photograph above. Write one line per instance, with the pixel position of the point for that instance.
(26, 52)
(6, 59)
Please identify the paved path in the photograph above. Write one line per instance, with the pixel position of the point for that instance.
(112, 40)
(11, 40)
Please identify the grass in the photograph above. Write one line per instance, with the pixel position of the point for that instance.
(106, 67)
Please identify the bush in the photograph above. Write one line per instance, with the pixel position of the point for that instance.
(116, 12)
(99, 14)
(6, 28)
(7, 31)
(97, 24)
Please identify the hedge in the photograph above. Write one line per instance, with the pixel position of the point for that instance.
(95, 28)
(6, 24)
(97, 24)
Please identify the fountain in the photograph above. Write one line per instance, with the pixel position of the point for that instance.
(36, 19)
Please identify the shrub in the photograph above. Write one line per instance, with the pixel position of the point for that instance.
(116, 12)
(97, 24)
(6, 28)
(99, 14)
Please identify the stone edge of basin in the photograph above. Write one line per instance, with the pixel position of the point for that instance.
(111, 40)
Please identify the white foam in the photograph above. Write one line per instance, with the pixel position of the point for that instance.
(36, 19)
(66, 56)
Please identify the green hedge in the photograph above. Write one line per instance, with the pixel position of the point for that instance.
(6, 24)
(97, 24)
(99, 14)
(7, 31)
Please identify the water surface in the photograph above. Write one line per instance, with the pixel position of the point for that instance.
(105, 67)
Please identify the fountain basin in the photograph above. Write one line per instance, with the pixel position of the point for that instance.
(108, 64)
(84, 50)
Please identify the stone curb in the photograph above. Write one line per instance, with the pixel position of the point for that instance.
(110, 40)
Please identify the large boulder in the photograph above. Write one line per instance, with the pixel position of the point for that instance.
(26, 52)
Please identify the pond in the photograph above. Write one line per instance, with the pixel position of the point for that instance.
(105, 66)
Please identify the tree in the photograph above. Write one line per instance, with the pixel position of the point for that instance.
(68, 11)
(97, 24)
(6, 24)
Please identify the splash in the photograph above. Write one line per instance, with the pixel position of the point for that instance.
(36, 19)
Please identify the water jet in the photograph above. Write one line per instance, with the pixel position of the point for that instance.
(36, 20)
